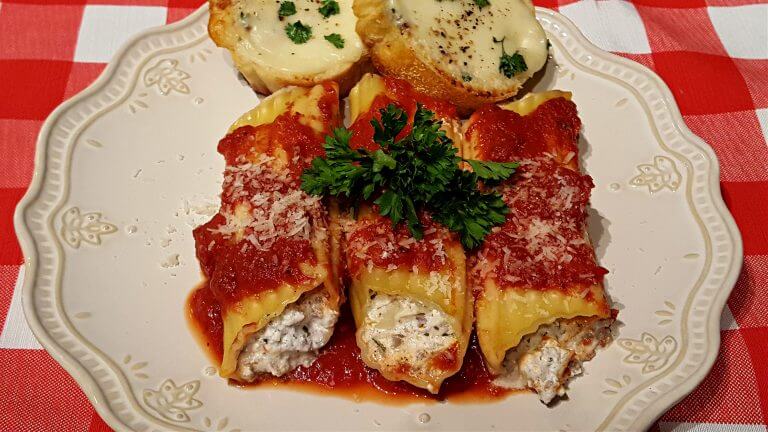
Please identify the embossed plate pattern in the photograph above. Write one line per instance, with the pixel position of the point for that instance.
(128, 167)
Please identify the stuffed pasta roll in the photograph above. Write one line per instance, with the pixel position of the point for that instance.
(409, 297)
(269, 253)
(540, 305)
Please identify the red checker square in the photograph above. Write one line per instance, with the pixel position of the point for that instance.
(81, 76)
(180, 9)
(755, 73)
(185, 4)
(671, 4)
(747, 202)
(178, 14)
(39, 31)
(10, 252)
(728, 394)
(128, 2)
(749, 299)
(17, 138)
(731, 2)
(703, 83)
(47, 2)
(757, 345)
(644, 59)
(738, 141)
(38, 395)
(38, 87)
(8, 275)
(680, 30)
(553, 4)
(98, 425)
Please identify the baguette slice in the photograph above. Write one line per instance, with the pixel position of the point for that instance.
(254, 33)
(453, 49)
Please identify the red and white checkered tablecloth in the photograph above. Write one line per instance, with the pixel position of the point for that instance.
(713, 54)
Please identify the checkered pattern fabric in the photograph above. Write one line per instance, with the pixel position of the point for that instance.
(713, 54)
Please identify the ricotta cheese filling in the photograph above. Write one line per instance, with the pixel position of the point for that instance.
(290, 340)
(403, 331)
(468, 41)
(546, 360)
(262, 37)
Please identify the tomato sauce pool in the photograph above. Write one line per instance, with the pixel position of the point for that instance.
(339, 369)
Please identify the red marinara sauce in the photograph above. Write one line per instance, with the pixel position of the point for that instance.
(400, 93)
(339, 367)
(239, 267)
(542, 244)
(373, 242)
(232, 273)
(504, 136)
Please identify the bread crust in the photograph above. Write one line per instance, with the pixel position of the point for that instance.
(265, 79)
(392, 55)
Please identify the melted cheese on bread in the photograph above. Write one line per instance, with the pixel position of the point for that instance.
(263, 37)
(466, 41)
(271, 57)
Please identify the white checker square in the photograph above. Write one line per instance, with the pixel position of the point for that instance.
(612, 25)
(762, 118)
(16, 333)
(727, 321)
(104, 29)
(742, 29)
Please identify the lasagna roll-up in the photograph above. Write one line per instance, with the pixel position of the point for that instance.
(269, 253)
(540, 305)
(409, 297)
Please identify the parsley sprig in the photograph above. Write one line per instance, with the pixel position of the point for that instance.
(510, 65)
(328, 8)
(298, 32)
(335, 39)
(287, 8)
(419, 170)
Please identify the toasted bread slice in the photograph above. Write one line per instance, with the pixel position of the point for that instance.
(455, 50)
(255, 34)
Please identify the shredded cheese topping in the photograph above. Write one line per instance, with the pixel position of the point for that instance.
(373, 242)
(264, 203)
(544, 240)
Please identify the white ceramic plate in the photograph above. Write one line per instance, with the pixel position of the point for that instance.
(127, 168)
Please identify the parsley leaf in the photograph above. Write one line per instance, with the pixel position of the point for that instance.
(335, 39)
(482, 3)
(467, 210)
(328, 8)
(298, 32)
(510, 65)
(393, 120)
(409, 172)
(492, 172)
(287, 8)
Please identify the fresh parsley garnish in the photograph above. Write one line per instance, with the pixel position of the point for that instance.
(328, 8)
(287, 8)
(492, 173)
(298, 32)
(335, 39)
(482, 3)
(510, 65)
(418, 170)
